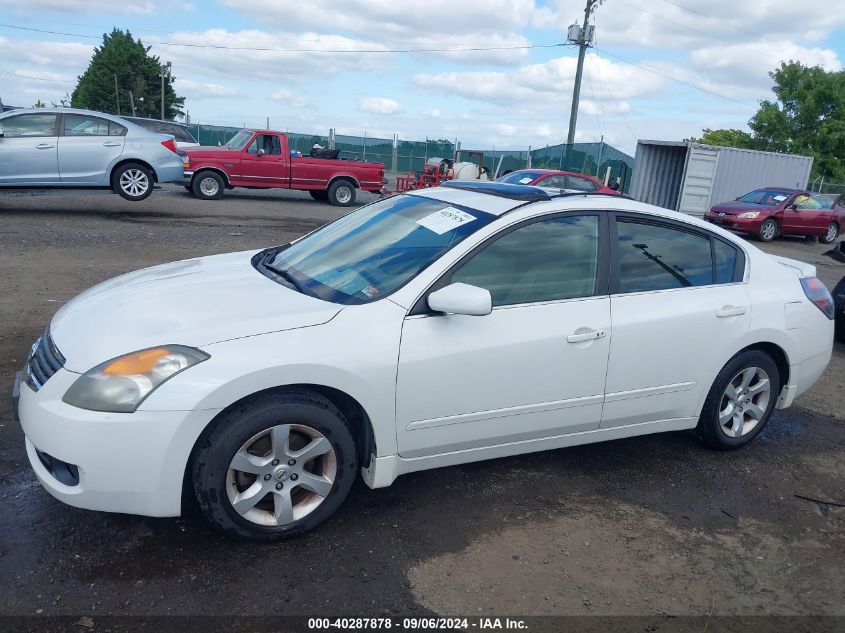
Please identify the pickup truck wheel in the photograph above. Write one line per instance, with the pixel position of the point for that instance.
(321, 196)
(132, 181)
(208, 185)
(341, 193)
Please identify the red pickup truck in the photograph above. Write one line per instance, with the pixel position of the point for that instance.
(261, 159)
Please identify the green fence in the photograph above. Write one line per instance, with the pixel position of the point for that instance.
(595, 159)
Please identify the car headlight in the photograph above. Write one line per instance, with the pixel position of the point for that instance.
(120, 385)
(748, 215)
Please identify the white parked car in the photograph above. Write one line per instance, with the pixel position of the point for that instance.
(443, 326)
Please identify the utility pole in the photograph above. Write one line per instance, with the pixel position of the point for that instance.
(583, 37)
(165, 75)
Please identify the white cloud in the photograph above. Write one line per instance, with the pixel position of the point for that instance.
(432, 113)
(75, 55)
(201, 90)
(79, 6)
(379, 105)
(286, 96)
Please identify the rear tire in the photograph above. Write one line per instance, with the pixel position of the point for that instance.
(245, 473)
(341, 193)
(830, 235)
(132, 181)
(320, 196)
(768, 230)
(208, 185)
(740, 401)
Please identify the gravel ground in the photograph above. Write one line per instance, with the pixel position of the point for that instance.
(646, 526)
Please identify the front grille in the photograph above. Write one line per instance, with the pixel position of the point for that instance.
(45, 360)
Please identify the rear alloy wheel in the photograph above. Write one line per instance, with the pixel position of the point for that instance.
(208, 185)
(132, 181)
(740, 401)
(831, 233)
(768, 230)
(341, 193)
(275, 467)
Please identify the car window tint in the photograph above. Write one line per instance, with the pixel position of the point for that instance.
(725, 261)
(543, 261)
(655, 257)
(557, 182)
(580, 184)
(81, 125)
(269, 143)
(29, 125)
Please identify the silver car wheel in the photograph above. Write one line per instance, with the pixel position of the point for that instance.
(343, 194)
(745, 402)
(134, 182)
(281, 474)
(769, 231)
(209, 187)
(831, 233)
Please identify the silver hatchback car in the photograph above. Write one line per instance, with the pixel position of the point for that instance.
(63, 147)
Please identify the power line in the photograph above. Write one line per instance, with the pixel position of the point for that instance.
(713, 17)
(470, 49)
(681, 24)
(656, 71)
(19, 76)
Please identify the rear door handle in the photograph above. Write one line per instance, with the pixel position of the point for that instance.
(112, 144)
(585, 336)
(730, 311)
(44, 146)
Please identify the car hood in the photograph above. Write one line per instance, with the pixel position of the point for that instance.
(732, 208)
(194, 302)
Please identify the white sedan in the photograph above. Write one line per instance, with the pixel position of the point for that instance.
(466, 322)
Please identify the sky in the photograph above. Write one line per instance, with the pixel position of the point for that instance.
(660, 69)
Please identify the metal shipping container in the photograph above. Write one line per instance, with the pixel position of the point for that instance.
(691, 177)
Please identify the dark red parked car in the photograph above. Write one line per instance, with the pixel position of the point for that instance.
(774, 211)
(557, 180)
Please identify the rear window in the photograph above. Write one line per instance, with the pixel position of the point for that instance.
(179, 132)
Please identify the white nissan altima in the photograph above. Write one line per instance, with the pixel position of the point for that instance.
(454, 324)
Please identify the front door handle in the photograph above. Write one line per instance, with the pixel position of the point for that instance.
(112, 144)
(44, 146)
(730, 311)
(592, 335)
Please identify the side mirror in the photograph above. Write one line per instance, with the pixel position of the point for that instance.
(260, 152)
(793, 207)
(461, 299)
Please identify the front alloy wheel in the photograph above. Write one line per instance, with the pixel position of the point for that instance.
(281, 475)
(275, 465)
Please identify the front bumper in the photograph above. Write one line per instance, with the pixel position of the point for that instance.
(734, 223)
(127, 462)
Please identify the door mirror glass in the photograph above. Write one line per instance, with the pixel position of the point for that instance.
(461, 298)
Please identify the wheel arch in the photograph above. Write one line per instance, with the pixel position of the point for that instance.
(348, 177)
(217, 170)
(125, 161)
(362, 426)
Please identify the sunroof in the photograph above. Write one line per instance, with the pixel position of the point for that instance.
(525, 193)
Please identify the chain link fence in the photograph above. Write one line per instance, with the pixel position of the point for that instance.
(399, 156)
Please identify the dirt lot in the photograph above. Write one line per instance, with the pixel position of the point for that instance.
(648, 526)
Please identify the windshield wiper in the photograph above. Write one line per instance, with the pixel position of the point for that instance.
(284, 274)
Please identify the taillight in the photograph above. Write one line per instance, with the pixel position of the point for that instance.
(818, 293)
(171, 145)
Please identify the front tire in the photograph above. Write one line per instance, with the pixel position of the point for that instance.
(831, 233)
(341, 193)
(208, 185)
(768, 230)
(275, 467)
(740, 402)
(132, 181)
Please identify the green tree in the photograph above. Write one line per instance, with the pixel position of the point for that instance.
(806, 117)
(39, 104)
(136, 71)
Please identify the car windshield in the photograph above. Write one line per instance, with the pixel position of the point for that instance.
(375, 250)
(239, 140)
(521, 177)
(768, 197)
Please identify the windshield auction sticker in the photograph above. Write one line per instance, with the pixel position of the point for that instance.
(445, 220)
